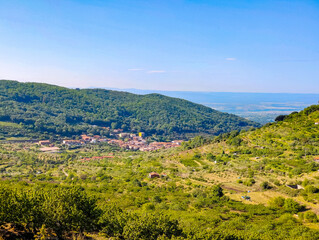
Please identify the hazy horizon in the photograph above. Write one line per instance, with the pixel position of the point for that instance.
(143, 91)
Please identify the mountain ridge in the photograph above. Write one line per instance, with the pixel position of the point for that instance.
(58, 110)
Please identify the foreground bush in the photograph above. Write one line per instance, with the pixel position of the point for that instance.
(52, 211)
(60, 209)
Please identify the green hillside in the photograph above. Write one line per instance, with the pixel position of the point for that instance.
(236, 186)
(287, 147)
(266, 161)
(47, 109)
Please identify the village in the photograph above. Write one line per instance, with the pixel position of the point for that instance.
(129, 141)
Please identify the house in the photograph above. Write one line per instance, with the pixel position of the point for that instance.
(117, 130)
(133, 147)
(72, 142)
(124, 135)
(85, 138)
(153, 175)
(177, 142)
(44, 142)
(316, 123)
(316, 159)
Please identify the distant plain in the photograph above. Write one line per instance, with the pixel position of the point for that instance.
(259, 107)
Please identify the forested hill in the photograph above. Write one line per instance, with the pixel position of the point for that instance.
(33, 108)
(289, 147)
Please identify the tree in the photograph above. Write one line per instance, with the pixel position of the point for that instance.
(280, 118)
(311, 217)
(113, 221)
(217, 191)
(292, 206)
(277, 202)
(265, 185)
(151, 226)
(59, 209)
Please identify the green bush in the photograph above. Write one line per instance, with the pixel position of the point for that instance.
(60, 209)
(311, 189)
(113, 221)
(311, 217)
(292, 206)
(150, 227)
(277, 202)
(249, 182)
(265, 185)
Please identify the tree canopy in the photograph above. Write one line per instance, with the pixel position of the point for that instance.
(48, 109)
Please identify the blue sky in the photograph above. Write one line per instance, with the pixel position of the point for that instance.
(217, 46)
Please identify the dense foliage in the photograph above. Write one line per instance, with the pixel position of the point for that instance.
(47, 109)
(46, 211)
(61, 210)
(256, 184)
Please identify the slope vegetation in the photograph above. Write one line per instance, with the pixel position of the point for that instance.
(43, 108)
(233, 187)
(279, 159)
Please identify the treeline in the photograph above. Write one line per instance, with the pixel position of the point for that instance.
(47, 212)
(48, 109)
(52, 211)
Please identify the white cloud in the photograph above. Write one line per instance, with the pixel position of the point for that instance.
(135, 69)
(156, 71)
(231, 59)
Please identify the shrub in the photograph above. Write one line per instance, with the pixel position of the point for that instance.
(149, 206)
(311, 189)
(292, 206)
(217, 191)
(249, 182)
(280, 118)
(151, 226)
(311, 109)
(157, 199)
(60, 209)
(311, 217)
(112, 221)
(277, 202)
(265, 185)
(210, 157)
(277, 182)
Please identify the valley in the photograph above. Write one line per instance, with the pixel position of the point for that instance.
(264, 177)
(159, 120)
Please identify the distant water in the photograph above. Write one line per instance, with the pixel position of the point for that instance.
(259, 107)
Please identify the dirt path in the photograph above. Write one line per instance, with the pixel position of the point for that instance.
(198, 163)
(65, 173)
